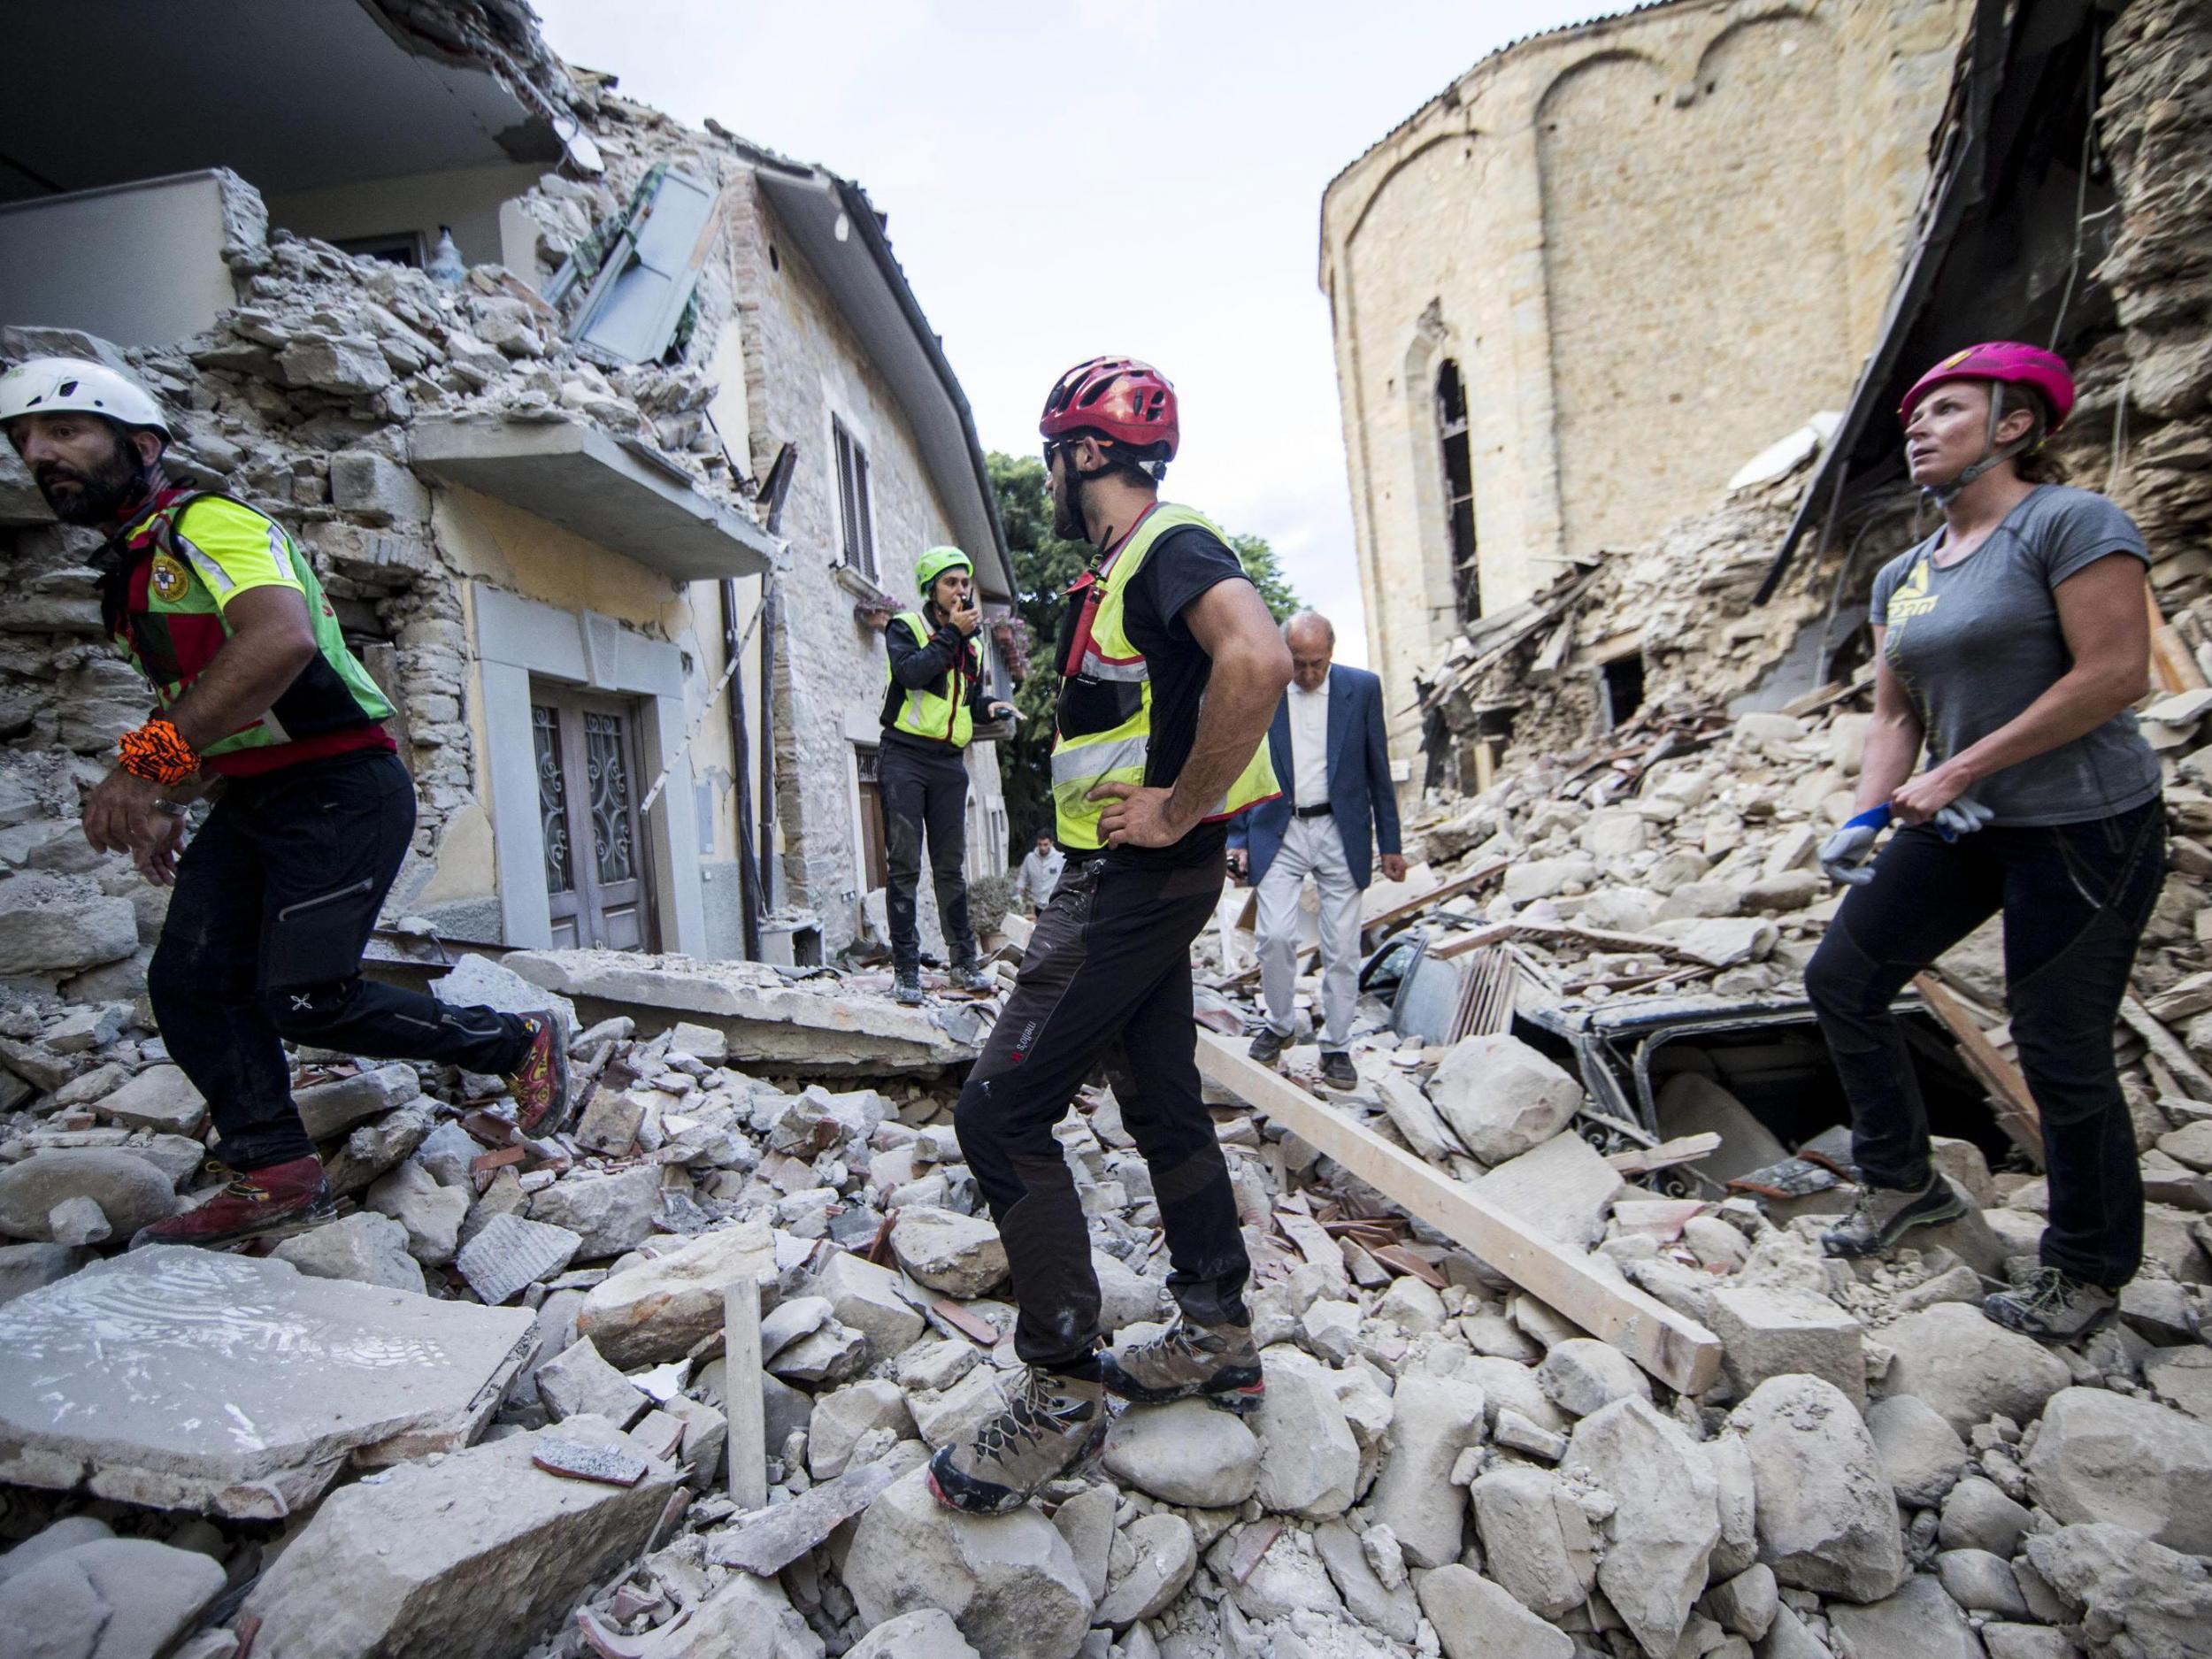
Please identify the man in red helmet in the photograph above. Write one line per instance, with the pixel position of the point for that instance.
(1171, 670)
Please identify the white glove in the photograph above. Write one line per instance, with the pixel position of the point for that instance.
(1843, 855)
(1961, 818)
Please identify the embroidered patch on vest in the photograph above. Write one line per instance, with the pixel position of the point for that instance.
(167, 579)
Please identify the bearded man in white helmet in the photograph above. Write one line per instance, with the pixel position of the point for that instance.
(257, 693)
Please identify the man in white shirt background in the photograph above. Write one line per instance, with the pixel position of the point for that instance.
(1040, 873)
(1338, 803)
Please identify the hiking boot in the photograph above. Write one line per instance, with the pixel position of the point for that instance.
(1056, 1422)
(1267, 1048)
(906, 988)
(1338, 1071)
(970, 976)
(2052, 1305)
(271, 1203)
(540, 1084)
(1880, 1215)
(1215, 1361)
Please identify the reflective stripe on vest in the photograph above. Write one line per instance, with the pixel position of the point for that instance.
(1101, 653)
(923, 712)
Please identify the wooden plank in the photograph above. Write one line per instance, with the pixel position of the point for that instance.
(1666, 1155)
(741, 1393)
(2171, 660)
(1450, 889)
(2017, 1113)
(2167, 1046)
(1676, 1349)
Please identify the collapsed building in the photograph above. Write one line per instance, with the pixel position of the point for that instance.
(615, 515)
(1555, 1366)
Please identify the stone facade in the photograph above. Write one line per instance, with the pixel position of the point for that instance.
(1649, 246)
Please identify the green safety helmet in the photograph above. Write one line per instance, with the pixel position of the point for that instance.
(936, 561)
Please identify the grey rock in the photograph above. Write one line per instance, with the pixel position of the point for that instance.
(1777, 1331)
(2026, 1641)
(1922, 1455)
(62, 925)
(330, 1109)
(431, 1214)
(376, 489)
(830, 1353)
(1582, 1373)
(109, 1379)
(1309, 1461)
(747, 1617)
(1434, 1419)
(610, 1213)
(1007, 1581)
(768, 1540)
(447, 1152)
(349, 365)
(1536, 1539)
(843, 1418)
(479, 982)
(1501, 1097)
(2122, 1582)
(377, 1147)
(2103, 1456)
(50, 1539)
(958, 1255)
(1186, 1453)
(659, 1309)
(77, 1221)
(426, 1554)
(866, 1297)
(1788, 1639)
(1287, 1582)
(1969, 1368)
(578, 1382)
(365, 1247)
(1746, 1603)
(1157, 1554)
(1667, 1520)
(1976, 1515)
(1087, 1521)
(509, 1253)
(1918, 1621)
(1827, 1519)
(1981, 1583)
(113, 1598)
(927, 1633)
(1477, 1619)
(1736, 1492)
(160, 1098)
(131, 1192)
(1395, 1612)
(25, 1267)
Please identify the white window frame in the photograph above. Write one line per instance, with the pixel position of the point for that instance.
(853, 501)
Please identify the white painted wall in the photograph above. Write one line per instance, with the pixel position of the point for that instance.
(138, 264)
(467, 198)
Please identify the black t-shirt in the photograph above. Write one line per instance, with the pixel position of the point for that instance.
(1182, 564)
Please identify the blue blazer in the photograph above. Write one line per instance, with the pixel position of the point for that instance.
(1362, 801)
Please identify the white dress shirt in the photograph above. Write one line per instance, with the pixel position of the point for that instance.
(1309, 746)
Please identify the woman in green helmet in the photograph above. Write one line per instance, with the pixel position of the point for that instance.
(934, 697)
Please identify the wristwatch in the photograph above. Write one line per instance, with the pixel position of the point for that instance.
(175, 809)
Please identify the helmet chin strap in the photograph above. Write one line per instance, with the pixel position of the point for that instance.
(1943, 494)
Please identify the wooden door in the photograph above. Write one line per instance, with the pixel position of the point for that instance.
(597, 875)
(875, 867)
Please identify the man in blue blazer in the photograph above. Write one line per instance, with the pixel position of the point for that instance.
(1337, 803)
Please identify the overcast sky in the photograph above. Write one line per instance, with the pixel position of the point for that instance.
(1084, 176)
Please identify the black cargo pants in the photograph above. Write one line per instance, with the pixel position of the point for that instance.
(275, 899)
(925, 793)
(1107, 977)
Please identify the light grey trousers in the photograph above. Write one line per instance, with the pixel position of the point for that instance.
(1310, 847)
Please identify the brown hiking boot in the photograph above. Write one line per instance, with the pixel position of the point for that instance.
(271, 1203)
(1215, 1361)
(1880, 1215)
(540, 1084)
(1055, 1423)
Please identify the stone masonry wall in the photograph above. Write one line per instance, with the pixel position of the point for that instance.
(1653, 244)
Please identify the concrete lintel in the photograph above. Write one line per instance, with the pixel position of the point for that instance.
(572, 474)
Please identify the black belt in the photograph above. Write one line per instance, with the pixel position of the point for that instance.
(1311, 812)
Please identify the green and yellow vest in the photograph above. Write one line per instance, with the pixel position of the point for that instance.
(938, 712)
(1103, 723)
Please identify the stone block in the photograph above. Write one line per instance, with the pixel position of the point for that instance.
(110, 1380)
(509, 1254)
(364, 1246)
(659, 1309)
(1773, 1332)
(329, 1110)
(376, 489)
(475, 1556)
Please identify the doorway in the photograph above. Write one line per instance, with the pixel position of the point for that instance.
(598, 885)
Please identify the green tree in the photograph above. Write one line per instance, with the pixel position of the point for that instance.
(1044, 565)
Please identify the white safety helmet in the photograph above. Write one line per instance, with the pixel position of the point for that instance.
(54, 385)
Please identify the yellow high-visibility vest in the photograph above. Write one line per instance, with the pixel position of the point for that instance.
(1103, 723)
(944, 717)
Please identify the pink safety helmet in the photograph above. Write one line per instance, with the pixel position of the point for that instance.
(2008, 363)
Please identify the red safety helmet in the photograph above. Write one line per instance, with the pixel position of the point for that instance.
(1120, 399)
(2008, 363)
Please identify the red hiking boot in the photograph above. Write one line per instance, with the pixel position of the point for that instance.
(540, 1084)
(271, 1203)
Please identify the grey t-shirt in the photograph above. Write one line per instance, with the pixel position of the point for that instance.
(1976, 644)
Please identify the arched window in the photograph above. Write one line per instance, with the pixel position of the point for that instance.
(1459, 489)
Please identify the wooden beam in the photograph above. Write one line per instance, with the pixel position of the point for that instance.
(2167, 1046)
(2017, 1113)
(1450, 889)
(2171, 661)
(741, 1393)
(1673, 1348)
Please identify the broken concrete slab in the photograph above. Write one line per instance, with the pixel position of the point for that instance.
(659, 1309)
(578, 1382)
(367, 1248)
(511, 1253)
(330, 1109)
(768, 1540)
(473, 1556)
(610, 1213)
(824, 1030)
(160, 1098)
(185, 1379)
(1563, 1186)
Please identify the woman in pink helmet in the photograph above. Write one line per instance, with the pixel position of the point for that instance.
(2009, 646)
